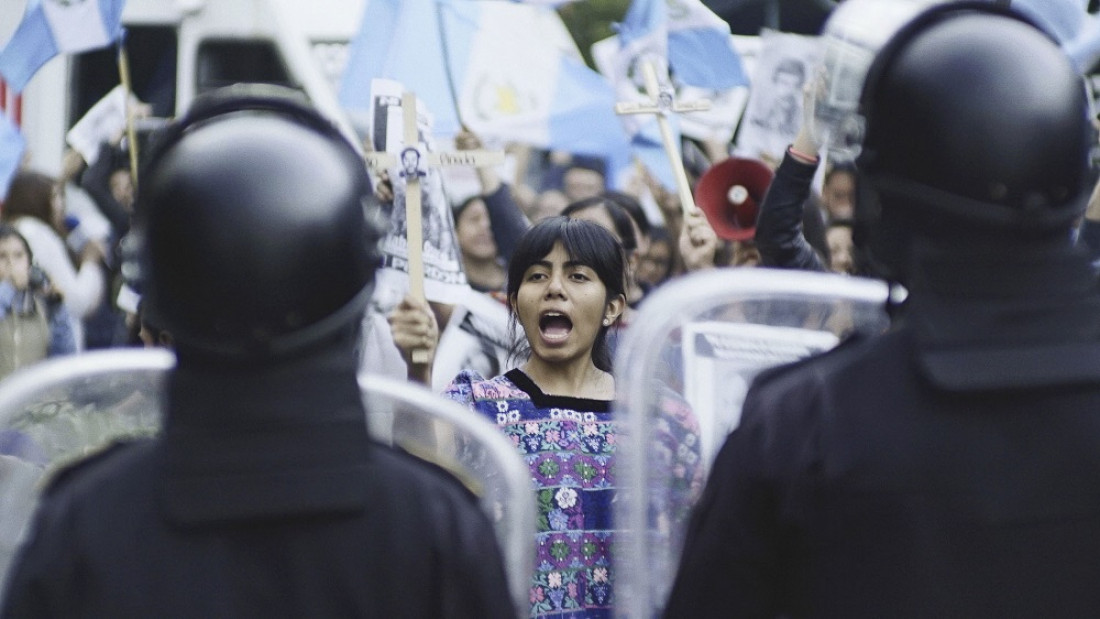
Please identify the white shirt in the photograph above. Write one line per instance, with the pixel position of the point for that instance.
(82, 288)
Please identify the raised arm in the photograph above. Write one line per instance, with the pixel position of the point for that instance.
(780, 238)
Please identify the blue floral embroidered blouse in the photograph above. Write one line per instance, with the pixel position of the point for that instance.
(568, 443)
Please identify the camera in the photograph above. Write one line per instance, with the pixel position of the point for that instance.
(39, 283)
(37, 280)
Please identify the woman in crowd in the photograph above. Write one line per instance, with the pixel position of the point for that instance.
(483, 264)
(33, 322)
(566, 288)
(608, 210)
(34, 207)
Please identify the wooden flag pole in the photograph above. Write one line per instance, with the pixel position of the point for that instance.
(131, 131)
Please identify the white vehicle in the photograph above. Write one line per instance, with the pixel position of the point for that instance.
(180, 48)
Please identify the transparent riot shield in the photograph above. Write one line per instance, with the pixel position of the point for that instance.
(59, 410)
(422, 423)
(693, 349)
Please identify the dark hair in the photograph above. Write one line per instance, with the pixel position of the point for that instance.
(840, 167)
(620, 218)
(38, 280)
(30, 195)
(585, 242)
(456, 211)
(632, 207)
(586, 162)
(7, 230)
(660, 234)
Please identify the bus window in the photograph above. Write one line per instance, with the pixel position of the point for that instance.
(152, 54)
(225, 62)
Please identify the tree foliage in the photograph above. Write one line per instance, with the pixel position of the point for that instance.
(589, 21)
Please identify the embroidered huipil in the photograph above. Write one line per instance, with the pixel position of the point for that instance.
(568, 443)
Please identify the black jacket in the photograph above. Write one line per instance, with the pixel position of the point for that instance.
(264, 497)
(948, 468)
(788, 219)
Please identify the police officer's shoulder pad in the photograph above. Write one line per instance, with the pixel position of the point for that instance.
(66, 473)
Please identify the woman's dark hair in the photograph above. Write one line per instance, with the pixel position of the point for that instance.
(840, 167)
(633, 207)
(620, 218)
(30, 195)
(456, 211)
(585, 242)
(37, 280)
(7, 230)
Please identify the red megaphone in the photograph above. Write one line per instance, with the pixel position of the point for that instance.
(730, 193)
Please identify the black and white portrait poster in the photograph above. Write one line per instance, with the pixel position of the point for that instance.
(773, 115)
(444, 278)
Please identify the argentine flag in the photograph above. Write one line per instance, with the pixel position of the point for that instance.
(12, 146)
(512, 69)
(52, 27)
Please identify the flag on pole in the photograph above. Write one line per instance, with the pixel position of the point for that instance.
(700, 49)
(686, 42)
(507, 71)
(52, 27)
(685, 35)
(1062, 19)
(12, 146)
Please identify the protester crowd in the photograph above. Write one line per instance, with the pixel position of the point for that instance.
(558, 263)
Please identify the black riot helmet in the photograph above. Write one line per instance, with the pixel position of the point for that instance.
(977, 129)
(254, 231)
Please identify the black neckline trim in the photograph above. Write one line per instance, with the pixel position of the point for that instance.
(544, 400)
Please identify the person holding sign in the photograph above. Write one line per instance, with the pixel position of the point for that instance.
(947, 467)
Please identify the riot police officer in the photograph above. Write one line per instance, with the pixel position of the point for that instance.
(946, 468)
(264, 496)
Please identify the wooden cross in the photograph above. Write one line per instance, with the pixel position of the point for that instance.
(662, 103)
(414, 161)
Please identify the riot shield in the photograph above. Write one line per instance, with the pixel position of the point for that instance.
(693, 349)
(422, 423)
(61, 409)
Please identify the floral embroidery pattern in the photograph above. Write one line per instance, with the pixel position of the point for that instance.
(570, 454)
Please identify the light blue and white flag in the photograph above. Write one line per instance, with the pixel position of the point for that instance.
(1062, 19)
(52, 27)
(505, 70)
(12, 146)
(700, 49)
(684, 40)
(688, 36)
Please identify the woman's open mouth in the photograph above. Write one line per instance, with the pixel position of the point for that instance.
(555, 326)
